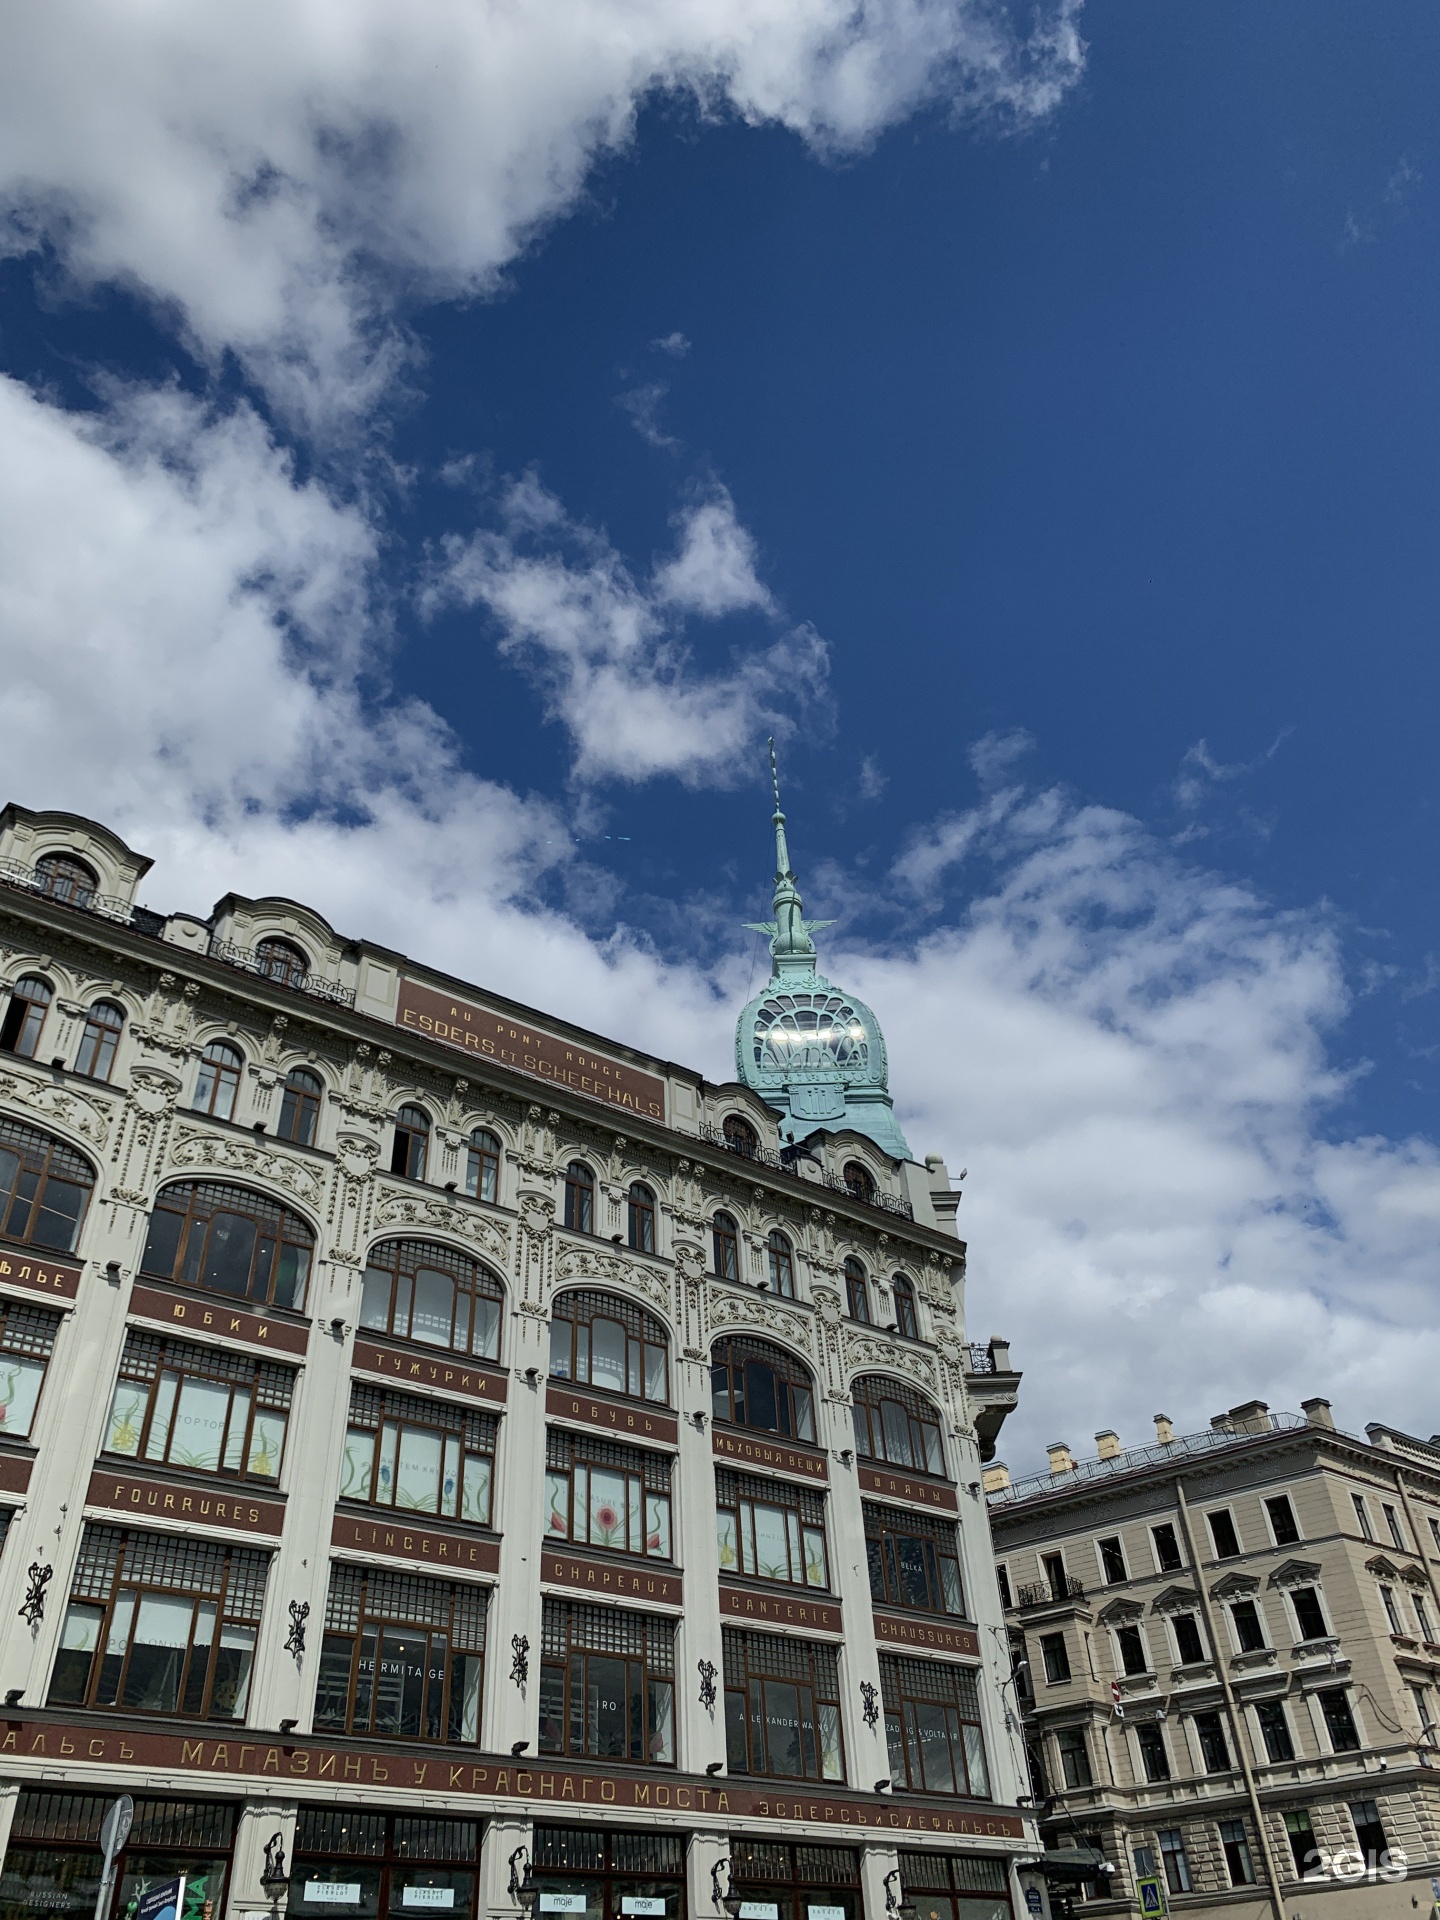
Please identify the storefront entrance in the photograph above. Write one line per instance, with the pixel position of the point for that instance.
(956, 1886)
(360, 1866)
(779, 1882)
(590, 1873)
(53, 1864)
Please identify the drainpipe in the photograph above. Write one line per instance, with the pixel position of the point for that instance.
(1238, 1733)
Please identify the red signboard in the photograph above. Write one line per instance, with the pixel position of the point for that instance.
(611, 1578)
(934, 1494)
(396, 1540)
(161, 1500)
(487, 1034)
(625, 1417)
(197, 1314)
(765, 1609)
(897, 1630)
(55, 1277)
(14, 1473)
(771, 1456)
(44, 1744)
(470, 1382)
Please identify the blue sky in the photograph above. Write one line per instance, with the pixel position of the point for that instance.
(447, 451)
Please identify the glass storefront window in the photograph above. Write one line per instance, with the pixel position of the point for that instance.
(958, 1886)
(932, 1727)
(53, 1864)
(913, 1560)
(402, 1656)
(376, 1866)
(607, 1684)
(770, 1530)
(587, 1873)
(782, 1707)
(27, 1339)
(776, 1881)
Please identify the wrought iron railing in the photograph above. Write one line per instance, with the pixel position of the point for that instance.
(249, 960)
(1134, 1458)
(981, 1360)
(1051, 1594)
(784, 1162)
(65, 892)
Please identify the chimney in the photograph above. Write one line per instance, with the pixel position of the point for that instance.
(1107, 1444)
(1318, 1413)
(995, 1477)
(1000, 1353)
(1164, 1432)
(1379, 1436)
(1252, 1417)
(1058, 1454)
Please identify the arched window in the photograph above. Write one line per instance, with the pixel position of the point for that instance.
(755, 1385)
(482, 1166)
(740, 1136)
(895, 1424)
(65, 877)
(642, 1219)
(725, 1236)
(44, 1188)
(300, 1106)
(99, 1040)
(859, 1183)
(906, 1320)
(579, 1198)
(282, 960)
(411, 1145)
(782, 1264)
(857, 1293)
(416, 1290)
(25, 1016)
(218, 1081)
(601, 1341)
(229, 1240)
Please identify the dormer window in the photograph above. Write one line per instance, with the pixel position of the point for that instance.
(282, 960)
(65, 877)
(740, 1136)
(859, 1182)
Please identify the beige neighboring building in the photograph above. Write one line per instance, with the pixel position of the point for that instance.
(1227, 1655)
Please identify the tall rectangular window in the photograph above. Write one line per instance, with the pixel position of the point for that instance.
(770, 1530)
(208, 1409)
(1177, 1863)
(1369, 1832)
(1151, 1742)
(1222, 1532)
(782, 1707)
(607, 1684)
(932, 1727)
(600, 1494)
(913, 1559)
(1133, 1657)
(1167, 1548)
(1112, 1561)
(1282, 1520)
(1274, 1730)
(1392, 1521)
(1362, 1516)
(1236, 1847)
(1214, 1753)
(1392, 1612)
(1003, 1579)
(402, 1656)
(1248, 1630)
(160, 1623)
(417, 1455)
(1187, 1639)
(1308, 1616)
(1074, 1757)
(1339, 1720)
(27, 1340)
(1301, 1835)
(1056, 1656)
(1422, 1617)
(1435, 1531)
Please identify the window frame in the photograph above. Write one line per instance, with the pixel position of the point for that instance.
(907, 1309)
(1282, 1539)
(780, 1259)
(1362, 1515)
(641, 1341)
(1280, 1725)
(640, 1218)
(1184, 1659)
(646, 1506)
(870, 1393)
(218, 1080)
(275, 1224)
(1056, 1657)
(54, 884)
(857, 1291)
(280, 959)
(1392, 1612)
(27, 1346)
(802, 1512)
(1235, 1845)
(1103, 1556)
(650, 1679)
(99, 1041)
(725, 1245)
(1210, 1738)
(579, 1214)
(1122, 1663)
(1175, 1859)
(263, 1391)
(302, 1096)
(377, 1420)
(753, 1664)
(893, 1537)
(365, 1591)
(1392, 1521)
(1157, 1547)
(1368, 1831)
(36, 1154)
(482, 1166)
(410, 1142)
(411, 1258)
(1301, 1636)
(1338, 1715)
(1303, 1846)
(859, 1182)
(1150, 1740)
(1238, 1631)
(20, 1037)
(1225, 1516)
(1076, 1769)
(739, 1136)
(792, 1391)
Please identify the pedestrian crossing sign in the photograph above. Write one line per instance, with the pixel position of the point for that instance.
(1152, 1897)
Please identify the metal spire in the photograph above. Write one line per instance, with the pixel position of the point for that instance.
(791, 947)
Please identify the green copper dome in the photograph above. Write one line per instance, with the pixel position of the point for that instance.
(806, 1047)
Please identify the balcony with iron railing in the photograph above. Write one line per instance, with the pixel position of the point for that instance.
(1053, 1593)
(787, 1161)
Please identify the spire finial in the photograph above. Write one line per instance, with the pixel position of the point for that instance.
(774, 774)
(791, 946)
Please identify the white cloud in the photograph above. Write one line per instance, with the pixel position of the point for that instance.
(675, 344)
(289, 173)
(610, 653)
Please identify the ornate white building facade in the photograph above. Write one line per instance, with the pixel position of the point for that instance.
(465, 1456)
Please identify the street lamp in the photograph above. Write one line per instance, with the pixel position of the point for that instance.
(897, 1903)
(522, 1891)
(728, 1903)
(273, 1878)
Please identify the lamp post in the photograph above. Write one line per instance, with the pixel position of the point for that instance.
(728, 1902)
(896, 1901)
(522, 1890)
(273, 1878)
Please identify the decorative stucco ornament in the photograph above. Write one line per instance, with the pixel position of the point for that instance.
(813, 1052)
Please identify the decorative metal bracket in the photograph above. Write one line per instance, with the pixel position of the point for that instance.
(295, 1639)
(520, 1665)
(707, 1685)
(273, 1878)
(32, 1609)
(872, 1711)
